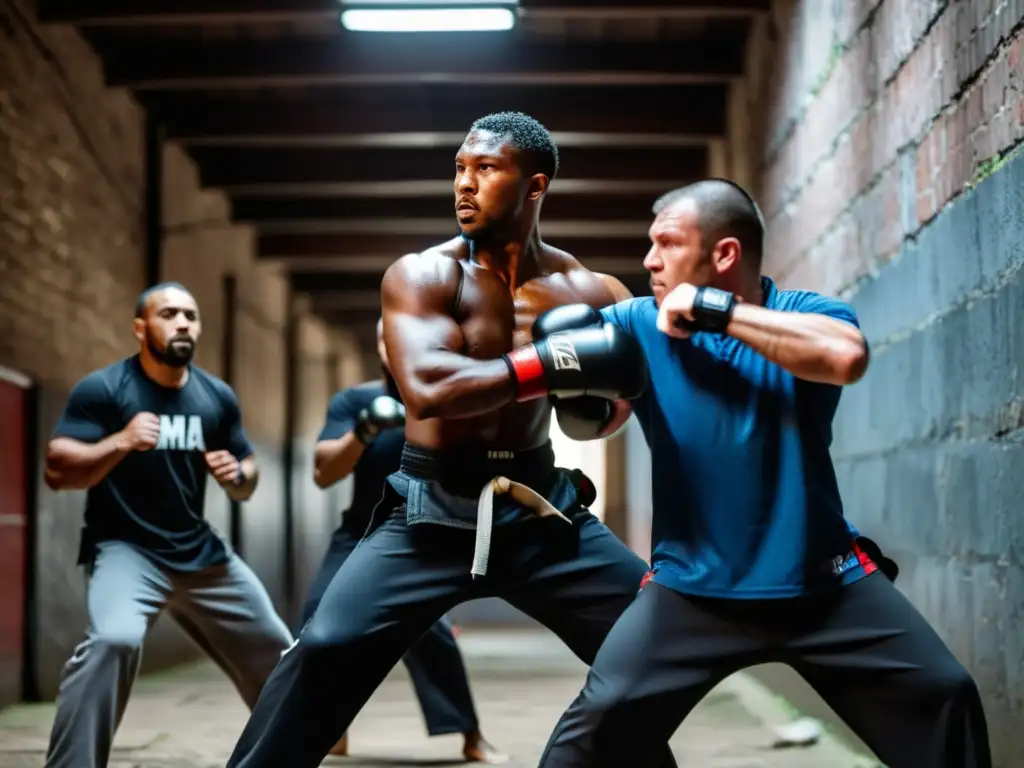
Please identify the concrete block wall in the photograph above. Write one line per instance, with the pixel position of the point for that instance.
(72, 257)
(885, 165)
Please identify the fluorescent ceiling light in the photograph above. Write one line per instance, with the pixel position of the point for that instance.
(428, 19)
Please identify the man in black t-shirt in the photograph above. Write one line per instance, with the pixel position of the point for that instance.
(141, 435)
(363, 436)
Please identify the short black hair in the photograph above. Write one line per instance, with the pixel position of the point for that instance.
(724, 209)
(140, 304)
(528, 136)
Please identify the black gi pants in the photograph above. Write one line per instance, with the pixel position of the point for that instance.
(434, 662)
(864, 648)
(575, 579)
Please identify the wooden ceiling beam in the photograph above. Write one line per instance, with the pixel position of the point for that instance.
(347, 113)
(132, 13)
(333, 246)
(377, 59)
(271, 210)
(229, 166)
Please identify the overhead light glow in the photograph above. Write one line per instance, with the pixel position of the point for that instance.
(428, 19)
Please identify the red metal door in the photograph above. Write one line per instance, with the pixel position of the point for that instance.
(13, 537)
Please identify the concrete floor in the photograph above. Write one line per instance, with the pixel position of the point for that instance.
(189, 717)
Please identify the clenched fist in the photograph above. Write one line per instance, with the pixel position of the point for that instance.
(383, 413)
(224, 467)
(141, 434)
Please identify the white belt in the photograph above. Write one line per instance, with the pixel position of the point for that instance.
(525, 495)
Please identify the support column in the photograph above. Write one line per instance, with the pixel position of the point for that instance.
(718, 159)
(745, 111)
(154, 198)
(333, 374)
(616, 513)
(291, 415)
(229, 301)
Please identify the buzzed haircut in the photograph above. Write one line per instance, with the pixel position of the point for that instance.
(140, 304)
(529, 137)
(724, 209)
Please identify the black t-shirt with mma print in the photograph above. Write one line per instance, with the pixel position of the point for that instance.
(153, 500)
(381, 458)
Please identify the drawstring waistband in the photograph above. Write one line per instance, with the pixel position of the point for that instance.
(525, 495)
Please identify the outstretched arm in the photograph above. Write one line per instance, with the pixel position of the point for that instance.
(422, 339)
(811, 346)
(817, 339)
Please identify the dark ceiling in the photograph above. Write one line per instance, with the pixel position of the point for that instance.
(339, 146)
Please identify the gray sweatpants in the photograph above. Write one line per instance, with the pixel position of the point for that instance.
(224, 609)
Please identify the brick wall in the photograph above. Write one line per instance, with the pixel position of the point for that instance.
(71, 265)
(884, 167)
(71, 215)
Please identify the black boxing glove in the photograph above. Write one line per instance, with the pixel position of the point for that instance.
(565, 318)
(382, 413)
(590, 418)
(586, 417)
(597, 360)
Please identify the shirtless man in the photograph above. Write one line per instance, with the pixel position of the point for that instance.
(479, 361)
(362, 438)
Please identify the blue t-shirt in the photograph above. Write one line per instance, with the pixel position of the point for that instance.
(153, 500)
(745, 498)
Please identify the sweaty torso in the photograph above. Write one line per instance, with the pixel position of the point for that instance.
(495, 318)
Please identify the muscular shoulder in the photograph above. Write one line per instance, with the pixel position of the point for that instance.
(111, 381)
(344, 407)
(599, 289)
(100, 385)
(218, 389)
(617, 288)
(434, 272)
(357, 397)
(219, 394)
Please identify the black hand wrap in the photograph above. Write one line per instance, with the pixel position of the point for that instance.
(382, 413)
(600, 360)
(712, 310)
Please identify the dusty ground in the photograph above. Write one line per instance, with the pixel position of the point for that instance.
(189, 718)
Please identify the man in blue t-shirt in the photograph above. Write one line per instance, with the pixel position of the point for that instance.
(752, 559)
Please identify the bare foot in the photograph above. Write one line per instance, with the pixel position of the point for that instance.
(477, 750)
(341, 748)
